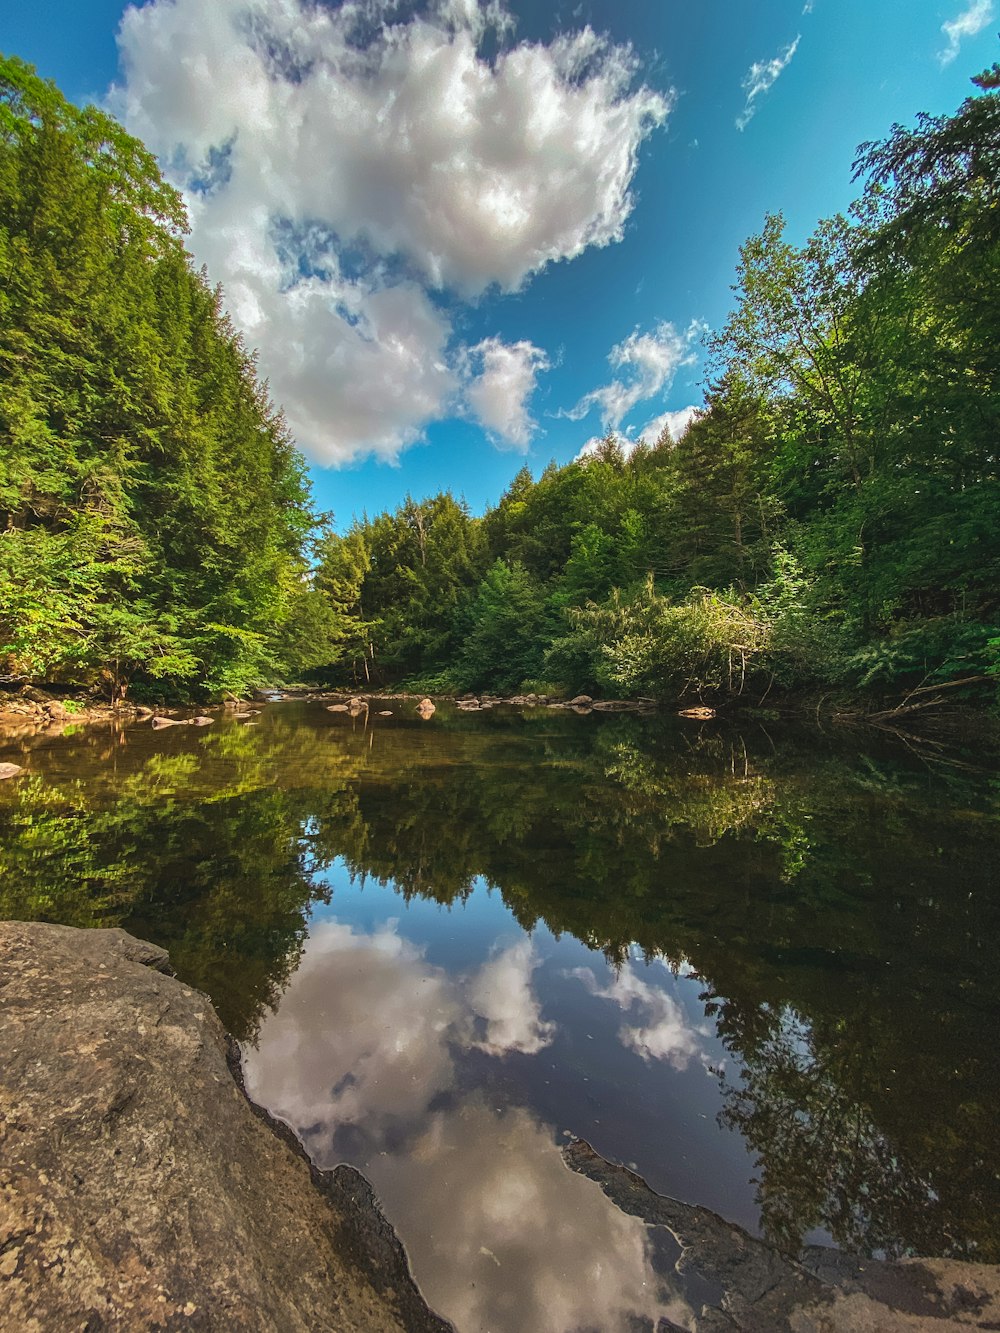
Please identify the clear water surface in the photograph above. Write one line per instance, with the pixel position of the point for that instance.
(759, 967)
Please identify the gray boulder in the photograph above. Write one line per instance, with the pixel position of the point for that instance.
(139, 1188)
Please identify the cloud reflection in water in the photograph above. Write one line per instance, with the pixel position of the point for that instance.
(364, 1050)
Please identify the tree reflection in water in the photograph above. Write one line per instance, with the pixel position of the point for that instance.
(839, 906)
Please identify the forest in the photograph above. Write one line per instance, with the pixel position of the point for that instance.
(826, 524)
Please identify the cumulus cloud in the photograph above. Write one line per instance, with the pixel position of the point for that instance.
(366, 1032)
(344, 165)
(674, 423)
(761, 77)
(662, 1032)
(968, 23)
(648, 362)
(502, 1236)
(502, 378)
(360, 1036)
(501, 993)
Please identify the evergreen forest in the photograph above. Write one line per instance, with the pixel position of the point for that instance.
(828, 523)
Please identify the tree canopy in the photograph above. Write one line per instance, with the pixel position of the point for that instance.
(153, 511)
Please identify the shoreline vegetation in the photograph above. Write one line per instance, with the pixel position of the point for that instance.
(825, 527)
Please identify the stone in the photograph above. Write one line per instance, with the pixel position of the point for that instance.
(202, 721)
(336, 708)
(757, 1289)
(426, 707)
(140, 1189)
(581, 701)
(386, 712)
(160, 722)
(702, 714)
(10, 771)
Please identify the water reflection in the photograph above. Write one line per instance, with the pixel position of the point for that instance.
(363, 1059)
(836, 909)
(667, 1034)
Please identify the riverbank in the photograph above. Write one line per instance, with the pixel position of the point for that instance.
(139, 1188)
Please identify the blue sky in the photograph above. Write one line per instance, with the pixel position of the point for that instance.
(466, 236)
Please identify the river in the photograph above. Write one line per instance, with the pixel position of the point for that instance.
(757, 965)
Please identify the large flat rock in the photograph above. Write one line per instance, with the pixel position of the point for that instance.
(139, 1188)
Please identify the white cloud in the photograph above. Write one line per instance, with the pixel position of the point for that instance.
(341, 164)
(501, 993)
(363, 1048)
(969, 23)
(649, 362)
(675, 423)
(663, 1032)
(761, 77)
(501, 1235)
(502, 379)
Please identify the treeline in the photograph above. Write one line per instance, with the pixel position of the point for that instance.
(153, 512)
(830, 520)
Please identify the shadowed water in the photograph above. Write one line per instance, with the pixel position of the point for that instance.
(757, 967)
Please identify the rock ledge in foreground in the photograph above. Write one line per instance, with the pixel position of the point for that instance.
(139, 1188)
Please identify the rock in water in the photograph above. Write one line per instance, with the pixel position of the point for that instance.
(139, 1188)
(160, 722)
(10, 771)
(760, 1290)
(426, 707)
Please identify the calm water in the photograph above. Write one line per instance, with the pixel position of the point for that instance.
(758, 967)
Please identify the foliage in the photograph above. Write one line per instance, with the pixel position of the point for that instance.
(829, 518)
(152, 508)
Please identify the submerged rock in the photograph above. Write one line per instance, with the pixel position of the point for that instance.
(760, 1290)
(10, 771)
(139, 1188)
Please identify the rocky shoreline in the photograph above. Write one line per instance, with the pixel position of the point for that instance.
(141, 1189)
(760, 1290)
